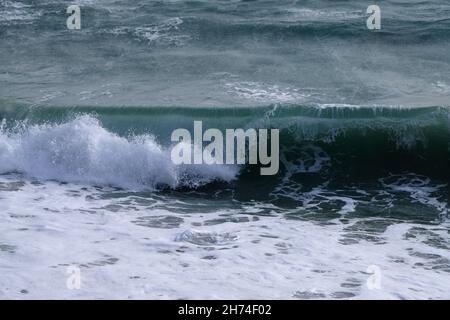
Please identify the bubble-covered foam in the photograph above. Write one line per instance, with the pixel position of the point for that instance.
(134, 245)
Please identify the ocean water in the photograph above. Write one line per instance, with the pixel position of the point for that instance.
(358, 210)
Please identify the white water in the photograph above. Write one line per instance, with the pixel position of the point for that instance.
(81, 150)
(141, 246)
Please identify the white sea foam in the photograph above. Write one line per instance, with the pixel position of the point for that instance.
(165, 32)
(418, 187)
(81, 150)
(46, 227)
(266, 93)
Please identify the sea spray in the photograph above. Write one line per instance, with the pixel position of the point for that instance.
(81, 150)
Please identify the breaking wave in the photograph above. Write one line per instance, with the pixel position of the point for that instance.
(81, 150)
(130, 147)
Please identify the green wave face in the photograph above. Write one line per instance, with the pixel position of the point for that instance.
(355, 141)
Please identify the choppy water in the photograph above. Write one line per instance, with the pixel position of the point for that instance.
(86, 178)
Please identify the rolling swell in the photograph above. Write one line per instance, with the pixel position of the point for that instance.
(130, 147)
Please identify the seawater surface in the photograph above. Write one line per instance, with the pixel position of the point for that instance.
(358, 210)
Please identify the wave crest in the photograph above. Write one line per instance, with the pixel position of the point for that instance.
(81, 150)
